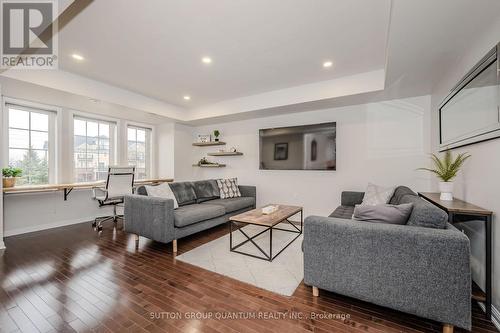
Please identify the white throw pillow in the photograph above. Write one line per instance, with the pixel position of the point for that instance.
(228, 188)
(162, 191)
(377, 195)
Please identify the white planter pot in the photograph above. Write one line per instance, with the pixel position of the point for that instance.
(446, 189)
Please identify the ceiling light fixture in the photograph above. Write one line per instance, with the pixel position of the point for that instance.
(187, 97)
(206, 60)
(327, 64)
(77, 57)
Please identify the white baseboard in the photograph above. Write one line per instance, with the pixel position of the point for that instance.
(41, 227)
(495, 315)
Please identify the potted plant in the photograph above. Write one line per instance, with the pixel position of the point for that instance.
(446, 170)
(9, 176)
(216, 134)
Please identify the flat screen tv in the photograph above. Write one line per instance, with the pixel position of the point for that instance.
(308, 147)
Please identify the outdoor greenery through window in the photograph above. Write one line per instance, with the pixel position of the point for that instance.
(28, 144)
(92, 149)
(138, 150)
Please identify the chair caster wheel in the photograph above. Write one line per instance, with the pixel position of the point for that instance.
(99, 228)
(94, 224)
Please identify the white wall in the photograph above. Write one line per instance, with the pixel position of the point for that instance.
(380, 142)
(183, 157)
(479, 182)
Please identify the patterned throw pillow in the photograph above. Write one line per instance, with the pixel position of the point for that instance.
(228, 188)
(377, 195)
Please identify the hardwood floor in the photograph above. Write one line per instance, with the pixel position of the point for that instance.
(70, 279)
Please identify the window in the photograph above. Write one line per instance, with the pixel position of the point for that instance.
(93, 149)
(139, 150)
(31, 144)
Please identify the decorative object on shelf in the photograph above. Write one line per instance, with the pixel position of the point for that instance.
(206, 163)
(269, 209)
(215, 165)
(216, 134)
(233, 150)
(222, 152)
(10, 174)
(209, 143)
(446, 169)
(280, 151)
(205, 138)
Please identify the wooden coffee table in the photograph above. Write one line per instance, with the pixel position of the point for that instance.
(269, 222)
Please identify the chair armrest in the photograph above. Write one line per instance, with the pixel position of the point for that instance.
(417, 270)
(351, 198)
(149, 217)
(98, 192)
(248, 191)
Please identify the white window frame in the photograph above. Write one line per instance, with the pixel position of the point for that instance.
(150, 170)
(114, 129)
(54, 116)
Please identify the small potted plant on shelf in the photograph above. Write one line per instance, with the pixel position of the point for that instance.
(216, 135)
(10, 174)
(446, 170)
(204, 161)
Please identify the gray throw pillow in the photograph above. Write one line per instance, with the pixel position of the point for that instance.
(385, 213)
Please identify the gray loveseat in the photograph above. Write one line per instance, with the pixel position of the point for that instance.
(200, 208)
(417, 269)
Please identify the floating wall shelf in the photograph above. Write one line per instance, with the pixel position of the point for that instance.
(209, 165)
(226, 153)
(211, 143)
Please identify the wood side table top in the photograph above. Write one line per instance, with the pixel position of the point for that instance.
(255, 216)
(455, 205)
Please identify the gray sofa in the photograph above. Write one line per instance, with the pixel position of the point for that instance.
(200, 208)
(421, 268)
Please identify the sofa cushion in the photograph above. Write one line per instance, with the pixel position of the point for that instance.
(228, 188)
(377, 195)
(141, 190)
(233, 204)
(390, 214)
(425, 214)
(184, 192)
(206, 190)
(343, 212)
(194, 213)
(400, 192)
(161, 191)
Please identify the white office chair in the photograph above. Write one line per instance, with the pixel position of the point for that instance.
(119, 183)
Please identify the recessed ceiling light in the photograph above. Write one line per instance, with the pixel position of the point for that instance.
(327, 64)
(77, 57)
(187, 97)
(206, 60)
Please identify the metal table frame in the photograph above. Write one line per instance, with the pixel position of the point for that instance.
(268, 257)
(458, 216)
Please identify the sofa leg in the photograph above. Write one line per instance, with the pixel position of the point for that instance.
(174, 246)
(447, 328)
(315, 291)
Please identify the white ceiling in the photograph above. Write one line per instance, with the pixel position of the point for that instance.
(155, 47)
(267, 54)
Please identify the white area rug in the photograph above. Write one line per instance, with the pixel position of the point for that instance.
(281, 276)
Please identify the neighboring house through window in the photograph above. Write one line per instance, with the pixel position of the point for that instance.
(31, 143)
(139, 150)
(93, 151)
